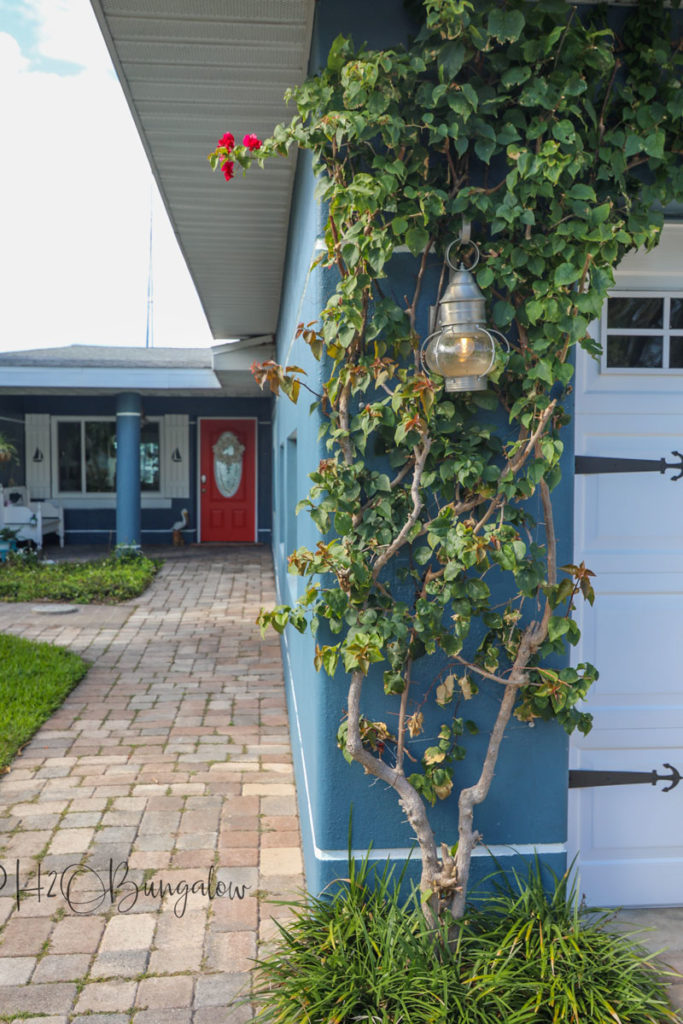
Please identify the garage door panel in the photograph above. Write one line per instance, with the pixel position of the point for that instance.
(630, 836)
(620, 836)
(638, 513)
(651, 622)
(614, 729)
(618, 520)
(629, 532)
(649, 887)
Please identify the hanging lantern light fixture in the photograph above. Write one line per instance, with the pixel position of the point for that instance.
(460, 349)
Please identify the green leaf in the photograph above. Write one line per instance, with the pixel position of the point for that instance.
(654, 144)
(478, 36)
(507, 134)
(557, 627)
(503, 313)
(477, 590)
(542, 371)
(634, 144)
(422, 555)
(484, 149)
(321, 519)
(339, 51)
(343, 523)
(393, 682)
(506, 26)
(600, 213)
(534, 310)
(451, 58)
(515, 75)
(566, 274)
(330, 658)
(471, 94)
(416, 239)
(563, 131)
(580, 191)
(485, 277)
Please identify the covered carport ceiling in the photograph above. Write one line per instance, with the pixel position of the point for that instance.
(191, 70)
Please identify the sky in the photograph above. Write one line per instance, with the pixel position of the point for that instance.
(75, 195)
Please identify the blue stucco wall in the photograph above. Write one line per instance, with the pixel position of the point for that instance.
(527, 804)
(97, 525)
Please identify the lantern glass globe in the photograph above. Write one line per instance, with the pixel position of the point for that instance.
(460, 350)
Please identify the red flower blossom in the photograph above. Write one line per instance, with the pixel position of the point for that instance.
(227, 140)
(228, 169)
(251, 142)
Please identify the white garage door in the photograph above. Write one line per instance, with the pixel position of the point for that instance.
(629, 531)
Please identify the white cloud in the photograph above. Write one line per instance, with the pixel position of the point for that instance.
(12, 61)
(74, 202)
(67, 30)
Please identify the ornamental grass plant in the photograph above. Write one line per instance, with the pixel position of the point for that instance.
(362, 954)
(562, 961)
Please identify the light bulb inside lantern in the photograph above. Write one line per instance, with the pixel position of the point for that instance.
(464, 347)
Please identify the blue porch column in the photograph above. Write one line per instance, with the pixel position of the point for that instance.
(128, 415)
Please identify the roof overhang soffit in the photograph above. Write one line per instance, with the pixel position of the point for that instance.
(190, 71)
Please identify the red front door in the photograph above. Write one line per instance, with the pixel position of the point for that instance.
(228, 480)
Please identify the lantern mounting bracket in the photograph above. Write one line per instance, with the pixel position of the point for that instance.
(461, 265)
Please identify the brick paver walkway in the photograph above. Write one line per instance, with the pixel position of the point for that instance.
(169, 766)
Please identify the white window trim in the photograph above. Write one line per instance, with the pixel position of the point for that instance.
(644, 332)
(103, 497)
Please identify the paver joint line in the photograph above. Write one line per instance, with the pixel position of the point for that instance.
(166, 775)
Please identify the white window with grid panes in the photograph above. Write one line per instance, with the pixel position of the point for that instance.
(642, 332)
(84, 461)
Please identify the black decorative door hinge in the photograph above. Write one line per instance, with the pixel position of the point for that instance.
(586, 779)
(604, 464)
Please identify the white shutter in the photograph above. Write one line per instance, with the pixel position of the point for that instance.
(37, 454)
(175, 454)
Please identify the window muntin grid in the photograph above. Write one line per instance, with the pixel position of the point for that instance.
(85, 449)
(642, 332)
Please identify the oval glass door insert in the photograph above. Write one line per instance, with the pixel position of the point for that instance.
(228, 454)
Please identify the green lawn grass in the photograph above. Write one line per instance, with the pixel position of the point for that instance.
(34, 680)
(105, 581)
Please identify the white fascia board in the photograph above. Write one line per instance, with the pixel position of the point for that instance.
(235, 344)
(242, 359)
(107, 378)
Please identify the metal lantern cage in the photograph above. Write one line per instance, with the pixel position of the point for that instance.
(460, 349)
